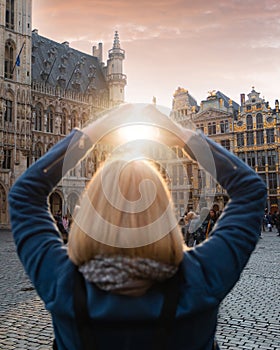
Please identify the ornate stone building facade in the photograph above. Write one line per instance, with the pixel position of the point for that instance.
(46, 89)
(251, 130)
(257, 142)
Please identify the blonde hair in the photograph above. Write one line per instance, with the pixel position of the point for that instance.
(131, 182)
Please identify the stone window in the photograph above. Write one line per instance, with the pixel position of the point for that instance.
(240, 139)
(74, 120)
(272, 182)
(271, 159)
(251, 159)
(241, 155)
(212, 128)
(259, 119)
(224, 126)
(201, 179)
(38, 152)
(10, 14)
(226, 144)
(63, 125)
(50, 119)
(250, 138)
(261, 160)
(270, 136)
(249, 122)
(7, 162)
(181, 175)
(8, 117)
(200, 127)
(9, 59)
(38, 122)
(260, 137)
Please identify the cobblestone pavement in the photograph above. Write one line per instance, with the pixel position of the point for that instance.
(249, 317)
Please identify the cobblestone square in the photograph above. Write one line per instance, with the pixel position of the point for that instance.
(249, 317)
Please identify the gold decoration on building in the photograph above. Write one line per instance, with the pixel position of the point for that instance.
(212, 93)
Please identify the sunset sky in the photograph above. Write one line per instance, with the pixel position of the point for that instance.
(226, 45)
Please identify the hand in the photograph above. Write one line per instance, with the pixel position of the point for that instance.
(159, 127)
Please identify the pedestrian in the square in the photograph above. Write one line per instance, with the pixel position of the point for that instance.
(126, 280)
(60, 225)
(190, 217)
(277, 222)
(269, 222)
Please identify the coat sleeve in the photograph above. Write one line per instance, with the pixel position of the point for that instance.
(236, 233)
(36, 236)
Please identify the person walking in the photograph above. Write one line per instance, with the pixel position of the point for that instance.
(202, 227)
(186, 229)
(126, 280)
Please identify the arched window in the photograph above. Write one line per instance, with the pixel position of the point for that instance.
(55, 202)
(50, 145)
(8, 116)
(95, 160)
(9, 59)
(72, 201)
(38, 151)
(249, 122)
(103, 156)
(63, 125)
(38, 122)
(84, 119)
(7, 159)
(74, 120)
(10, 14)
(180, 153)
(259, 119)
(50, 119)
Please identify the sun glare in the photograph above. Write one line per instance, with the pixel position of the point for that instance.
(139, 132)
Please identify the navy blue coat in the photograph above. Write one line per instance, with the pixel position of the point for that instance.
(210, 270)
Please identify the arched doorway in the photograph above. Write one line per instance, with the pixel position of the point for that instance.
(55, 202)
(72, 201)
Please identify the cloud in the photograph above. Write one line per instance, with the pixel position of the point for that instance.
(198, 44)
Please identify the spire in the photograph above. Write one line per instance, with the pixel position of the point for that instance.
(116, 41)
(114, 72)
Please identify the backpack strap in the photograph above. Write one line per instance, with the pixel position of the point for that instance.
(82, 315)
(171, 292)
(167, 316)
(54, 346)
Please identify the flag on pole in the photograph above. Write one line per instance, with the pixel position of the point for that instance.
(17, 63)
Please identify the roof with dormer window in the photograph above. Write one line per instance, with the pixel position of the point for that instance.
(58, 65)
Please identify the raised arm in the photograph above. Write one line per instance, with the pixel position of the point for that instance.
(237, 231)
(38, 244)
